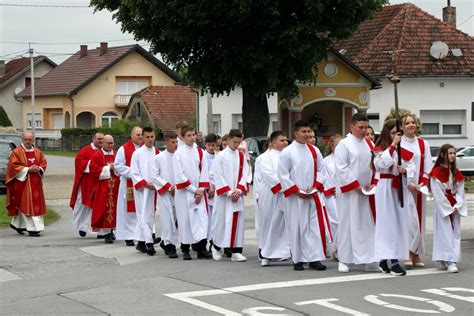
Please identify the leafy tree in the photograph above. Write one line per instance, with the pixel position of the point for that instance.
(262, 46)
(4, 120)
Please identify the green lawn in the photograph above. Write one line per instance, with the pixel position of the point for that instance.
(61, 153)
(5, 220)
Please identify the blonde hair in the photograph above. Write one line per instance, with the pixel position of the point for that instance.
(331, 143)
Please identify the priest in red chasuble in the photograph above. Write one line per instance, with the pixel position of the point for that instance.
(25, 196)
(104, 196)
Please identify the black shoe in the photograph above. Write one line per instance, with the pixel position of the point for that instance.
(204, 254)
(398, 270)
(100, 236)
(156, 240)
(317, 265)
(227, 252)
(383, 267)
(141, 246)
(172, 254)
(108, 239)
(163, 246)
(82, 233)
(113, 235)
(129, 243)
(34, 234)
(20, 231)
(186, 255)
(298, 266)
(150, 249)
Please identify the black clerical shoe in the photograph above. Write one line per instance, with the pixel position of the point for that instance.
(204, 254)
(109, 239)
(227, 252)
(150, 249)
(34, 234)
(317, 265)
(397, 270)
(100, 236)
(298, 266)
(172, 253)
(129, 243)
(141, 246)
(20, 231)
(187, 256)
(113, 235)
(165, 247)
(383, 266)
(82, 233)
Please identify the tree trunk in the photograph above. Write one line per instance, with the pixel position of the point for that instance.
(255, 114)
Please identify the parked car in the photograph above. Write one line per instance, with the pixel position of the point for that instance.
(14, 137)
(255, 148)
(465, 160)
(6, 147)
(434, 152)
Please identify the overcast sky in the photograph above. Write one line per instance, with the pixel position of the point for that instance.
(57, 32)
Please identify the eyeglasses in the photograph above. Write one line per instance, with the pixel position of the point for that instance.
(109, 143)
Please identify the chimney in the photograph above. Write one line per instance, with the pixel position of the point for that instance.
(83, 51)
(2, 68)
(103, 48)
(449, 14)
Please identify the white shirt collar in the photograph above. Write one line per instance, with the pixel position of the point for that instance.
(408, 139)
(93, 146)
(28, 150)
(107, 153)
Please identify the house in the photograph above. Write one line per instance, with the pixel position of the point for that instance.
(435, 63)
(15, 76)
(93, 87)
(340, 89)
(162, 106)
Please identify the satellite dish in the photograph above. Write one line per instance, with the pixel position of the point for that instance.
(18, 90)
(439, 50)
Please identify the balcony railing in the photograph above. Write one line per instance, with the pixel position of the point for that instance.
(121, 100)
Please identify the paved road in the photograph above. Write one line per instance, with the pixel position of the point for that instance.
(61, 273)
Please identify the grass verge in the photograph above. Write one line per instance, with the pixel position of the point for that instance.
(5, 220)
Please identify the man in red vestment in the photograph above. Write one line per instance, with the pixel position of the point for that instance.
(104, 196)
(82, 190)
(25, 196)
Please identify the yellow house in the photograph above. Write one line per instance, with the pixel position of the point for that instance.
(92, 88)
(341, 88)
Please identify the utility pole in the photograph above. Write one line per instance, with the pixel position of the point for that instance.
(32, 71)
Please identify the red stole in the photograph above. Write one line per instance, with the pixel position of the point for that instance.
(235, 218)
(129, 148)
(372, 181)
(419, 195)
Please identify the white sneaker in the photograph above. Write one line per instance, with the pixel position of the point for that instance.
(452, 268)
(265, 262)
(372, 267)
(342, 267)
(238, 257)
(216, 254)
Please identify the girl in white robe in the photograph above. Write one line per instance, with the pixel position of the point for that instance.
(447, 186)
(391, 228)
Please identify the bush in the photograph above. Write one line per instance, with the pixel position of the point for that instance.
(118, 128)
(4, 120)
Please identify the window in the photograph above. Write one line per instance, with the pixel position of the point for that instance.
(443, 122)
(374, 121)
(138, 113)
(273, 123)
(237, 122)
(38, 120)
(216, 124)
(129, 87)
(108, 118)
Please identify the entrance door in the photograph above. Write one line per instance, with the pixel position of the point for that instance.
(58, 121)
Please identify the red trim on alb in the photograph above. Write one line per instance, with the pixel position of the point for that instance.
(330, 191)
(183, 185)
(276, 188)
(140, 184)
(164, 188)
(290, 191)
(204, 185)
(241, 188)
(222, 190)
(349, 187)
(318, 185)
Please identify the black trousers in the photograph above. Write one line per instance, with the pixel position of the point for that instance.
(199, 246)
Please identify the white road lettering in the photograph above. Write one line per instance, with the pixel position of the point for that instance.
(443, 292)
(257, 311)
(442, 306)
(327, 303)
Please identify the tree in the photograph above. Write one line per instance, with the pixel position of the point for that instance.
(4, 120)
(262, 46)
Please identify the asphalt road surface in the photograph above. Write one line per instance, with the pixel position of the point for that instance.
(61, 273)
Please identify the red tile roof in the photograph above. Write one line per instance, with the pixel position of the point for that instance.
(76, 72)
(407, 27)
(168, 105)
(16, 67)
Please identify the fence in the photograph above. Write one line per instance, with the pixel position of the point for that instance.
(75, 143)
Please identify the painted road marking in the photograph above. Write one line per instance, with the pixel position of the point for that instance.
(327, 303)
(444, 292)
(442, 306)
(190, 297)
(8, 276)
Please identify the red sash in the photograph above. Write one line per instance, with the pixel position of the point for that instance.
(372, 181)
(419, 195)
(452, 201)
(320, 211)
(129, 148)
(235, 218)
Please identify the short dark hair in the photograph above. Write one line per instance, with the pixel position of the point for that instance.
(359, 117)
(225, 137)
(97, 132)
(170, 135)
(275, 135)
(235, 133)
(147, 129)
(210, 138)
(185, 129)
(300, 124)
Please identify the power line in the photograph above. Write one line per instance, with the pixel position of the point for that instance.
(20, 51)
(466, 20)
(65, 43)
(42, 5)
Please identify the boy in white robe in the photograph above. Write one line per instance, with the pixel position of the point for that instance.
(163, 179)
(144, 191)
(300, 171)
(356, 229)
(272, 234)
(210, 142)
(229, 173)
(192, 179)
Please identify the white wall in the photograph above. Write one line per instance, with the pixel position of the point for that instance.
(429, 94)
(226, 106)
